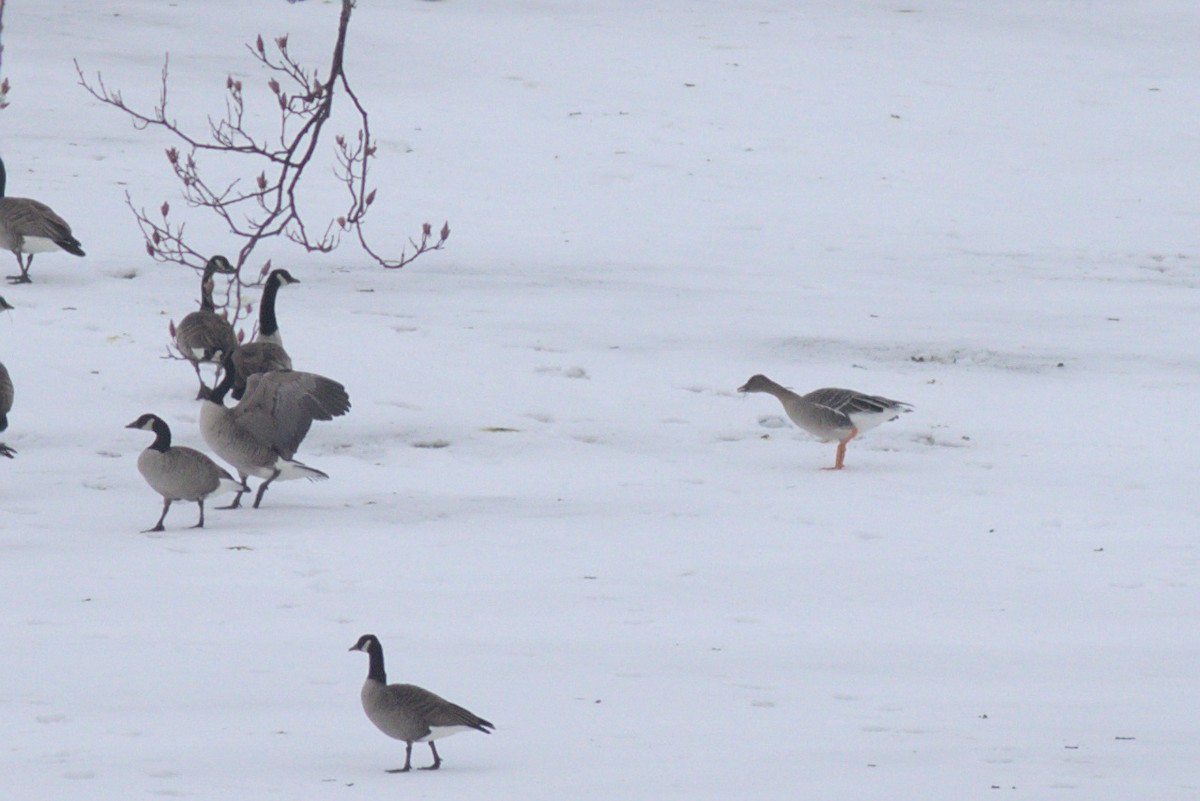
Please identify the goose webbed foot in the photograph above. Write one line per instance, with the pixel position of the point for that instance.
(23, 278)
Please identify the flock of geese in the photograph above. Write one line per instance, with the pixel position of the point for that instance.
(275, 408)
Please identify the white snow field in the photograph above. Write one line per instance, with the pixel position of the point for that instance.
(549, 501)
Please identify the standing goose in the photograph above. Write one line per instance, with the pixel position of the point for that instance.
(266, 352)
(30, 226)
(178, 473)
(202, 335)
(261, 434)
(831, 413)
(410, 713)
(6, 394)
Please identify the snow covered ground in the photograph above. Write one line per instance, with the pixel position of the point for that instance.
(549, 501)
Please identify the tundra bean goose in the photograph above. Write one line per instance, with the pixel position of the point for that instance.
(261, 434)
(204, 335)
(266, 352)
(29, 226)
(410, 713)
(178, 473)
(831, 413)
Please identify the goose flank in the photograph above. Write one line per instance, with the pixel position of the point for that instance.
(410, 713)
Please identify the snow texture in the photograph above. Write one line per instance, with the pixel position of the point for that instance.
(548, 500)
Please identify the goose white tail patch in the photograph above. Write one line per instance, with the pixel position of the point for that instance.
(38, 244)
(438, 732)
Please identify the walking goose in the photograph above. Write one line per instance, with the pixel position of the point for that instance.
(203, 335)
(410, 713)
(831, 413)
(30, 226)
(178, 473)
(261, 434)
(6, 394)
(266, 352)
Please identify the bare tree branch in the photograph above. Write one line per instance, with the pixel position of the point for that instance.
(265, 204)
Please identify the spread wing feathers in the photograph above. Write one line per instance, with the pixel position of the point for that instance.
(279, 407)
(27, 217)
(432, 709)
(201, 334)
(849, 402)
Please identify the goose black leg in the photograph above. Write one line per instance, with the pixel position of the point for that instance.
(24, 264)
(263, 488)
(407, 760)
(201, 523)
(437, 760)
(159, 525)
(237, 499)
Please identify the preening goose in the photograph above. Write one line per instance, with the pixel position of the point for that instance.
(410, 713)
(261, 434)
(204, 335)
(6, 394)
(179, 473)
(831, 413)
(266, 352)
(30, 226)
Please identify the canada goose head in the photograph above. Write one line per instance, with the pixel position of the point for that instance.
(366, 643)
(282, 278)
(219, 264)
(4, 305)
(162, 432)
(757, 383)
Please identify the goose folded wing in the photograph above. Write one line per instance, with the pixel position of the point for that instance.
(34, 218)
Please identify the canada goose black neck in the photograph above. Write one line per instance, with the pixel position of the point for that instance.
(3, 177)
(217, 393)
(267, 324)
(206, 290)
(162, 432)
(162, 435)
(370, 644)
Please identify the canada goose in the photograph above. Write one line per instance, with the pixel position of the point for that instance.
(410, 713)
(178, 473)
(261, 434)
(6, 395)
(30, 226)
(203, 335)
(266, 352)
(831, 413)
(6, 386)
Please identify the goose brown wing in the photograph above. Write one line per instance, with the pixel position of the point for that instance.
(432, 709)
(850, 402)
(29, 217)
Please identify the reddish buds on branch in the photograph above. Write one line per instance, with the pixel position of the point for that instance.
(166, 208)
